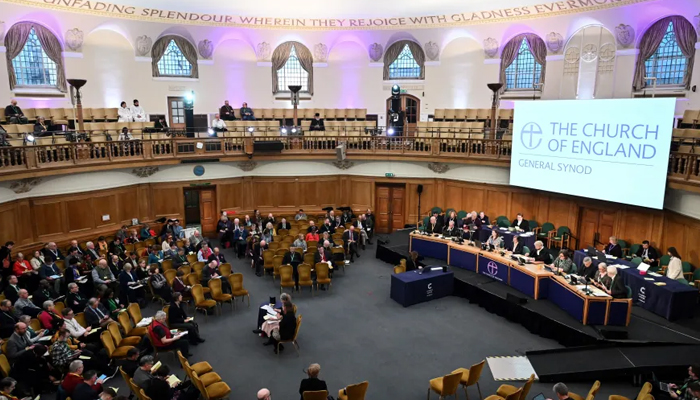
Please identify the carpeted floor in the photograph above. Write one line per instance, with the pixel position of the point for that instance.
(356, 333)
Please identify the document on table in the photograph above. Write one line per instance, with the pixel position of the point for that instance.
(144, 322)
(269, 309)
(649, 279)
(436, 269)
(655, 274)
(643, 267)
(618, 266)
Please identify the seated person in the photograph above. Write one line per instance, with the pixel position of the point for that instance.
(49, 318)
(317, 123)
(284, 329)
(161, 125)
(350, 238)
(8, 319)
(138, 112)
(284, 224)
(495, 240)
(240, 235)
(14, 114)
(433, 226)
(160, 284)
(517, 247)
(484, 218)
(163, 339)
(300, 243)
(12, 289)
(180, 258)
(178, 319)
(312, 234)
(312, 383)
(563, 263)
(587, 269)
(218, 125)
(25, 306)
(615, 287)
(159, 388)
(301, 216)
(540, 254)
(41, 127)
(179, 285)
(686, 388)
(601, 275)
(520, 223)
(85, 390)
(648, 254)
(96, 315)
(675, 265)
(75, 377)
(612, 248)
(450, 230)
(226, 112)
(124, 113)
(247, 113)
(363, 228)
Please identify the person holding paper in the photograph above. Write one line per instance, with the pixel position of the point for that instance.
(601, 278)
(75, 329)
(109, 303)
(648, 254)
(616, 288)
(159, 284)
(178, 319)
(44, 293)
(178, 284)
(588, 270)
(102, 275)
(160, 387)
(87, 389)
(96, 315)
(49, 318)
(286, 328)
(162, 338)
(563, 263)
(520, 223)
(612, 248)
(517, 247)
(540, 254)
(675, 265)
(142, 377)
(495, 240)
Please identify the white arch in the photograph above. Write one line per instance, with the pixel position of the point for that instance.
(112, 27)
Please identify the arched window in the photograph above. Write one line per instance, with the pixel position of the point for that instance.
(35, 57)
(523, 61)
(405, 66)
(404, 59)
(32, 66)
(292, 74)
(292, 64)
(174, 56)
(667, 53)
(524, 72)
(667, 64)
(173, 62)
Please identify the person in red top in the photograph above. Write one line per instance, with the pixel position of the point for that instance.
(49, 318)
(312, 235)
(25, 273)
(75, 378)
(162, 338)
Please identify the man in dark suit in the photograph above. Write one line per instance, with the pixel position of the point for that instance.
(92, 251)
(226, 112)
(317, 123)
(440, 219)
(14, 114)
(517, 247)
(87, 391)
(540, 254)
(433, 226)
(612, 248)
(484, 218)
(8, 319)
(52, 253)
(284, 224)
(450, 230)
(258, 260)
(294, 259)
(648, 254)
(74, 299)
(616, 287)
(520, 223)
(96, 315)
(350, 238)
(327, 227)
(12, 289)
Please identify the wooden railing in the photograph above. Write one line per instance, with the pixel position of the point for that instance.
(85, 153)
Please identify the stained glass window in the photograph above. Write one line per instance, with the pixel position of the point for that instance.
(405, 66)
(524, 72)
(173, 62)
(32, 66)
(667, 64)
(292, 74)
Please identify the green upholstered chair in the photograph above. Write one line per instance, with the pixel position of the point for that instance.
(533, 224)
(663, 262)
(502, 221)
(636, 261)
(696, 277)
(435, 210)
(629, 292)
(625, 247)
(526, 250)
(682, 280)
(561, 237)
(426, 221)
(448, 211)
(634, 248)
(461, 214)
(542, 232)
(687, 270)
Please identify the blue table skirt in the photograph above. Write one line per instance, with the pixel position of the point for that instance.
(528, 241)
(675, 300)
(429, 248)
(463, 259)
(493, 269)
(411, 288)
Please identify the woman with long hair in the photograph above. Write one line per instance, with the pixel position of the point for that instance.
(675, 265)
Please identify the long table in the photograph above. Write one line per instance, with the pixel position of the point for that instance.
(411, 288)
(528, 240)
(530, 279)
(673, 300)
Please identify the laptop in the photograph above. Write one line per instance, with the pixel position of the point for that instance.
(592, 251)
(539, 397)
(664, 387)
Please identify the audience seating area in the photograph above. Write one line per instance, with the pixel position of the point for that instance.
(470, 114)
(328, 114)
(691, 119)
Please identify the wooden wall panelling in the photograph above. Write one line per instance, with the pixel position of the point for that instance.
(80, 214)
(427, 200)
(326, 192)
(308, 194)
(167, 201)
(453, 196)
(8, 223)
(360, 194)
(143, 196)
(229, 195)
(525, 203)
(497, 204)
(24, 228)
(127, 207)
(475, 196)
(264, 194)
(49, 217)
(106, 205)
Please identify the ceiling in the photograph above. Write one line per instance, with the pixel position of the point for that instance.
(330, 8)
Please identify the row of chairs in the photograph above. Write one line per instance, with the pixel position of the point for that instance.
(470, 114)
(340, 114)
(61, 116)
(691, 119)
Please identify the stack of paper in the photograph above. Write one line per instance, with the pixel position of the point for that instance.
(144, 322)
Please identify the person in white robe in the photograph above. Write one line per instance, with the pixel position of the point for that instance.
(138, 112)
(125, 113)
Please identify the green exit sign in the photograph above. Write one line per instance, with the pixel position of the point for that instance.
(389, 174)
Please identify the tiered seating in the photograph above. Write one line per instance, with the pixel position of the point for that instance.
(470, 114)
(61, 116)
(113, 128)
(328, 114)
(453, 130)
(691, 119)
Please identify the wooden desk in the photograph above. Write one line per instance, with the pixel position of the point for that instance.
(589, 309)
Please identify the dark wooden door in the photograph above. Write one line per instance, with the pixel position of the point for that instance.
(411, 107)
(389, 207)
(192, 207)
(176, 111)
(207, 211)
(596, 224)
